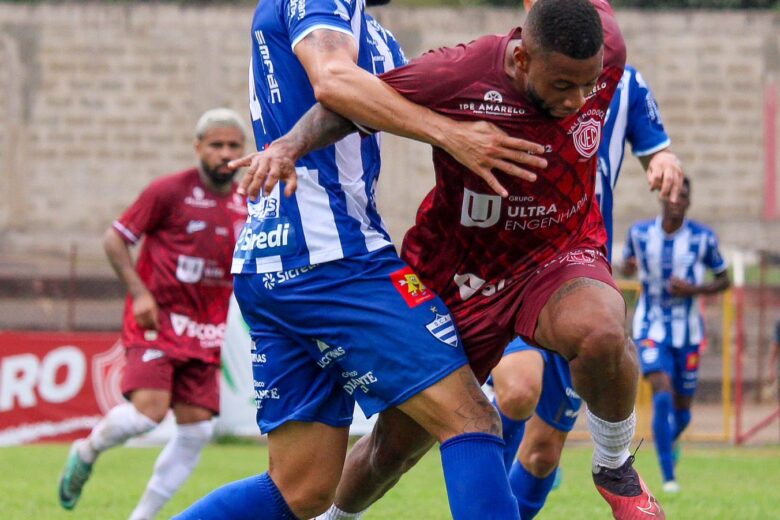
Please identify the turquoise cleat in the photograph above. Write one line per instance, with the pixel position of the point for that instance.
(74, 476)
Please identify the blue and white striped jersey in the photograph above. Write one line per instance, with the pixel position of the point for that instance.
(333, 212)
(633, 116)
(684, 254)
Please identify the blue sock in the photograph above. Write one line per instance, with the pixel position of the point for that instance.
(254, 498)
(530, 491)
(477, 486)
(513, 435)
(662, 431)
(682, 418)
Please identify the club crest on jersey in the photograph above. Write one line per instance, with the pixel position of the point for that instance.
(587, 136)
(443, 329)
(410, 287)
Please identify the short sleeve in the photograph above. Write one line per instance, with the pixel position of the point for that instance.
(144, 215)
(645, 130)
(713, 258)
(303, 17)
(435, 77)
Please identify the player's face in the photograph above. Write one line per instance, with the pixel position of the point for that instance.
(677, 210)
(559, 85)
(218, 147)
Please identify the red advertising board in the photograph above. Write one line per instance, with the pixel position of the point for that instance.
(55, 386)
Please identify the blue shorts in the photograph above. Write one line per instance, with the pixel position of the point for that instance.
(559, 404)
(362, 328)
(681, 364)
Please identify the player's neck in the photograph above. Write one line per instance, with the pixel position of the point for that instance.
(671, 225)
(219, 189)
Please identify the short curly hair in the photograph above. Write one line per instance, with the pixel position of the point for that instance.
(569, 27)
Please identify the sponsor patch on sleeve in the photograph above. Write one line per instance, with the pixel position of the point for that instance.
(410, 287)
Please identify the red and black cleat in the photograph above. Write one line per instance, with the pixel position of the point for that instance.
(627, 494)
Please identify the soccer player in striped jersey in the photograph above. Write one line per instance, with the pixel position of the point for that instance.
(497, 260)
(533, 387)
(335, 315)
(671, 254)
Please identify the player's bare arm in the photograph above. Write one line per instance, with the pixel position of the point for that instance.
(678, 287)
(664, 173)
(144, 305)
(340, 85)
(319, 127)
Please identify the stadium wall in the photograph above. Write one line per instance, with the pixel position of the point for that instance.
(96, 100)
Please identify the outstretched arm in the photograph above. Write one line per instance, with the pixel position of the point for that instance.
(319, 127)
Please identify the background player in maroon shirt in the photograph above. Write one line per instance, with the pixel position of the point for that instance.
(175, 314)
(532, 263)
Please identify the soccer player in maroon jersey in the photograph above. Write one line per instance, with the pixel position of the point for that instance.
(175, 314)
(529, 261)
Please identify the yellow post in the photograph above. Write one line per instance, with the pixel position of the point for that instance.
(728, 322)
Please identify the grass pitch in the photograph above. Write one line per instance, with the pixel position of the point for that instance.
(717, 483)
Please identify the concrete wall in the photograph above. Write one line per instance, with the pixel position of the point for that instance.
(97, 100)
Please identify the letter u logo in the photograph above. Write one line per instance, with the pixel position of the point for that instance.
(479, 210)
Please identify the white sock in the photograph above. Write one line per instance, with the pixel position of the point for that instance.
(334, 513)
(120, 424)
(175, 463)
(612, 440)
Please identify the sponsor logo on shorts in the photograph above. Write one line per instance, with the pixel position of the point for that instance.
(571, 413)
(151, 354)
(571, 394)
(410, 287)
(581, 257)
(355, 382)
(692, 361)
(262, 393)
(329, 354)
(443, 328)
(649, 351)
(271, 280)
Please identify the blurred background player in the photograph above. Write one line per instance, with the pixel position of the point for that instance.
(305, 263)
(671, 254)
(175, 313)
(530, 380)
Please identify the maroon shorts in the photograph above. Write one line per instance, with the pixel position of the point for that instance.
(189, 381)
(488, 323)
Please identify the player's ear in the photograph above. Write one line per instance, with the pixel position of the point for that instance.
(521, 57)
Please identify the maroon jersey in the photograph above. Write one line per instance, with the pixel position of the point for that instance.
(184, 262)
(467, 240)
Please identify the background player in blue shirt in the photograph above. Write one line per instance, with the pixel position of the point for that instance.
(335, 316)
(671, 254)
(528, 379)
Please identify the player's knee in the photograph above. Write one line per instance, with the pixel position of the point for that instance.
(542, 459)
(518, 399)
(154, 410)
(604, 345)
(310, 499)
(196, 434)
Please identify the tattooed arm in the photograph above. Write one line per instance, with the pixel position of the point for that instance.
(329, 58)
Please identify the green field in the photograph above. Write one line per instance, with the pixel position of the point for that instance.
(718, 483)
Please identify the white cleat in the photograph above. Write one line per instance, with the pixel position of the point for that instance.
(671, 487)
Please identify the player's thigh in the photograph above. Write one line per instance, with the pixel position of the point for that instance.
(147, 381)
(657, 364)
(306, 459)
(542, 445)
(397, 442)
(452, 406)
(580, 308)
(517, 379)
(195, 395)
